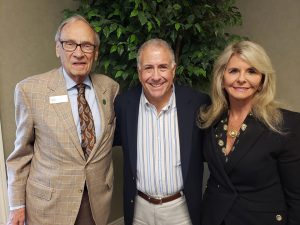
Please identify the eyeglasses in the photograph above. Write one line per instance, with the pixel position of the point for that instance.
(71, 46)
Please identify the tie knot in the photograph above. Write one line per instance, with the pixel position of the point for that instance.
(81, 88)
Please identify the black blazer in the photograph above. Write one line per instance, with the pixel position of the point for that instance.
(188, 103)
(260, 184)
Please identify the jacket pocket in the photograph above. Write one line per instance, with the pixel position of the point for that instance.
(39, 190)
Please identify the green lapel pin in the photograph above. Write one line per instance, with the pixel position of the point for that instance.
(104, 102)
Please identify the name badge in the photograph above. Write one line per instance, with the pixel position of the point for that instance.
(58, 99)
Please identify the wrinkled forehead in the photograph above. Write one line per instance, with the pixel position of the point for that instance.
(155, 55)
(77, 31)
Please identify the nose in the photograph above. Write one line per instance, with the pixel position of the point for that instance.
(156, 75)
(242, 77)
(78, 52)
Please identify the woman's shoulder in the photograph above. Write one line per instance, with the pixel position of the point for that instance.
(291, 119)
(289, 114)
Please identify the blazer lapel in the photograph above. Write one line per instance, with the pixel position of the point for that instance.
(211, 149)
(57, 87)
(253, 132)
(105, 112)
(185, 127)
(131, 116)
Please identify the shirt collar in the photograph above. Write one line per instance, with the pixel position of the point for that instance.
(71, 83)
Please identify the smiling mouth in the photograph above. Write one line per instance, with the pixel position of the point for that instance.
(156, 85)
(241, 88)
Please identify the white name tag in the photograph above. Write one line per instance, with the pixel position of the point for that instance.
(58, 99)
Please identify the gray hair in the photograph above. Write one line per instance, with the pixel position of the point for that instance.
(73, 19)
(155, 42)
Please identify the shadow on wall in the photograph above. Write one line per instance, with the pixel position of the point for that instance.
(117, 199)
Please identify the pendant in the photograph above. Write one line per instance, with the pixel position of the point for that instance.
(233, 133)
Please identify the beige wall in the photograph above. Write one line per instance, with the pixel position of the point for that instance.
(275, 24)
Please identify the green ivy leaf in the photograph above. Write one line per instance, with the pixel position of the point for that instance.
(119, 32)
(125, 75)
(149, 26)
(142, 18)
(132, 55)
(132, 38)
(105, 65)
(113, 48)
(91, 14)
(119, 74)
(97, 29)
(106, 31)
(198, 71)
(157, 21)
(113, 27)
(198, 27)
(134, 13)
(120, 49)
(176, 6)
(177, 26)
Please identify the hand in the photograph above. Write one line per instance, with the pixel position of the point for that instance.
(16, 217)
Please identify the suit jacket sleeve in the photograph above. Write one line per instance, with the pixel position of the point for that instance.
(18, 163)
(289, 167)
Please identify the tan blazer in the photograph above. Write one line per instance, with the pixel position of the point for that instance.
(47, 169)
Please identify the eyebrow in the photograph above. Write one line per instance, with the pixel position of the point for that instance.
(83, 42)
(159, 65)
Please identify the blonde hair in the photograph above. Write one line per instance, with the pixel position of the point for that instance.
(264, 107)
(72, 19)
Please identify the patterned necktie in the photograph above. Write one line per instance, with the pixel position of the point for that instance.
(88, 137)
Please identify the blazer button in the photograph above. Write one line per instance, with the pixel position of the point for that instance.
(80, 190)
(278, 217)
(131, 201)
(218, 185)
(132, 178)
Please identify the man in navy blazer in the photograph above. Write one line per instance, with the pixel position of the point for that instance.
(156, 126)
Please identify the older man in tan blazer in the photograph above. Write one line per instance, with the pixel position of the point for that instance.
(53, 177)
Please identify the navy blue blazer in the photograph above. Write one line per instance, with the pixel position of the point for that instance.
(188, 102)
(260, 184)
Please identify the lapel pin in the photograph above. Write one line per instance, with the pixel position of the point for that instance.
(104, 102)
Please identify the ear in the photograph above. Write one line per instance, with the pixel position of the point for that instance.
(96, 56)
(139, 74)
(174, 70)
(57, 49)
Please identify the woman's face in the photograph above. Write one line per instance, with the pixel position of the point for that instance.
(241, 80)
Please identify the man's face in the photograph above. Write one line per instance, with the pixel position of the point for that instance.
(156, 74)
(76, 63)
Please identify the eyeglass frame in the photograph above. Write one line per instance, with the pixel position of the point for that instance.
(76, 45)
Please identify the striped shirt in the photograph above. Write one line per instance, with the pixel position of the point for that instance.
(158, 150)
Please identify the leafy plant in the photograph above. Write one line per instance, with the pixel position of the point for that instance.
(194, 28)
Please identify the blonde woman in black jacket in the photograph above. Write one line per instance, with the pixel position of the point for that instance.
(251, 145)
